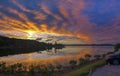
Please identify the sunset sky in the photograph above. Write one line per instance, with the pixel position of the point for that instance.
(65, 21)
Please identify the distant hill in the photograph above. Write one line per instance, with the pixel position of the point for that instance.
(19, 43)
(9, 46)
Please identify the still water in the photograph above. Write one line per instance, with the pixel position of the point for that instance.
(56, 55)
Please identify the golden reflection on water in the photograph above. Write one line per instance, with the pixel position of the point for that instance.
(53, 60)
(62, 56)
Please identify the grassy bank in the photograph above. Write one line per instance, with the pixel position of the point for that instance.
(84, 71)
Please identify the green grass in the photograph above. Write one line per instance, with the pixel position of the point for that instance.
(84, 71)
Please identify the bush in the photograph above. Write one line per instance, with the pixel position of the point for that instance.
(81, 61)
(59, 67)
(87, 57)
(73, 63)
(97, 57)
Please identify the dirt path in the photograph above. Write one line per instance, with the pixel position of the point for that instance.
(108, 70)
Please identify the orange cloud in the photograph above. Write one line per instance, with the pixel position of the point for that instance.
(25, 25)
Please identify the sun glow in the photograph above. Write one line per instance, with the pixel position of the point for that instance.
(30, 30)
(31, 34)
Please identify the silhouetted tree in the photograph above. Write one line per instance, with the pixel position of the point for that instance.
(97, 57)
(2, 67)
(72, 63)
(51, 69)
(87, 57)
(104, 55)
(117, 47)
(59, 67)
(44, 70)
(81, 61)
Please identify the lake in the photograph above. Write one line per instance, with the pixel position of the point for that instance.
(58, 55)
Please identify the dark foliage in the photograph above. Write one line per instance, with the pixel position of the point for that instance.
(9, 46)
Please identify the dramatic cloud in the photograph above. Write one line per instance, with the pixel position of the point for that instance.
(68, 21)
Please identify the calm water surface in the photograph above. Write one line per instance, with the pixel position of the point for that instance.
(72, 51)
